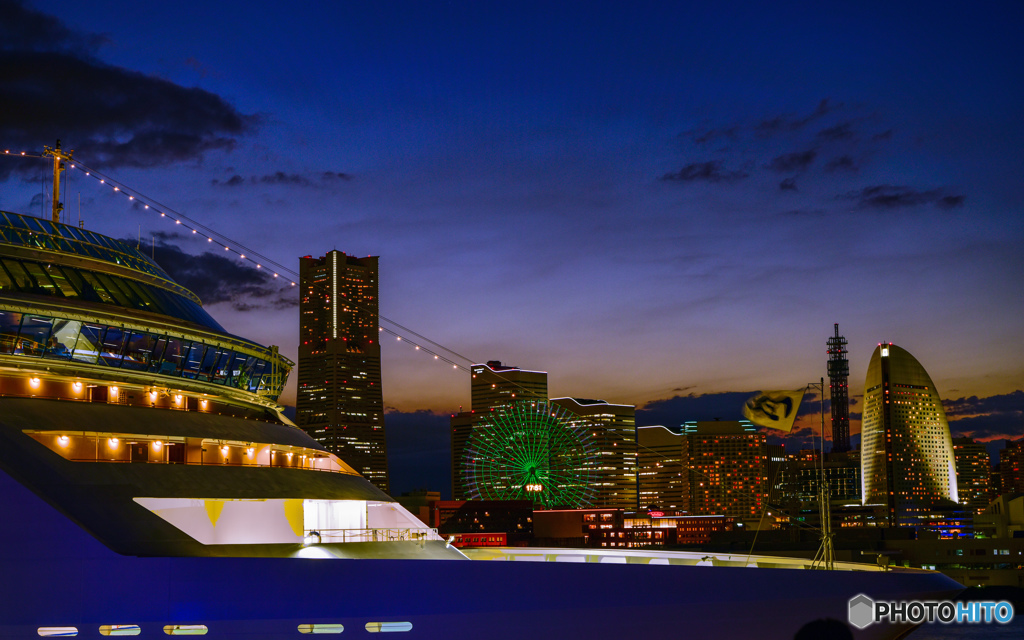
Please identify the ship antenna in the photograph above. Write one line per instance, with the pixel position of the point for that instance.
(59, 158)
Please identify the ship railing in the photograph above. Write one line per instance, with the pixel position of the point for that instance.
(372, 535)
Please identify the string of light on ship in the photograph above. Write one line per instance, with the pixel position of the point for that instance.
(149, 204)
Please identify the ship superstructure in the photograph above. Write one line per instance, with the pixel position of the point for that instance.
(114, 376)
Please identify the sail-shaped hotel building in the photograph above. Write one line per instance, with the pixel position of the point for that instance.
(907, 461)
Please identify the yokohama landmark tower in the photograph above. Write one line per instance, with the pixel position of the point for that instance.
(838, 373)
(340, 402)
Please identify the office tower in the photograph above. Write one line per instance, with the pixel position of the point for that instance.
(907, 461)
(663, 459)
(973, 468)
(493, 385)
(709, 468)
(613, 469)
(801, 478)
(774, 472)
(728, 463)
(340, 401)
(838, 377)
(1011, 467)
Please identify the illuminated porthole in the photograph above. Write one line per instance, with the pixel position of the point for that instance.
(120, 630)
(185, 629)
(321, 628)
(388, 627)
(57, 632)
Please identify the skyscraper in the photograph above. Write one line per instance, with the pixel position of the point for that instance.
(838, 378)
(340, 400)
(493, 385)
(709, 468)
(907, 461)
(973, 472)
(729, 464)
(613, 470)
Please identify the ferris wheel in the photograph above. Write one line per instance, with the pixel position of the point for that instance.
(531, 451)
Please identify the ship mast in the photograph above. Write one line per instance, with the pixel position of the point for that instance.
(59, 158)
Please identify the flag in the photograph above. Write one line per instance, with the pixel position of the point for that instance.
(774, 409)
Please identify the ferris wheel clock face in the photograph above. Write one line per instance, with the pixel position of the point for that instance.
(532, 451)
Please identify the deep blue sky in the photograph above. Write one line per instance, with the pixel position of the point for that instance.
(647, 200)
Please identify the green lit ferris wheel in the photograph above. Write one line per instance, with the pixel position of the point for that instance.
(531, 451)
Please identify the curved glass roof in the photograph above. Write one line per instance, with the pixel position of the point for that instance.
(28, 276)
(37, 233)
(64, 281)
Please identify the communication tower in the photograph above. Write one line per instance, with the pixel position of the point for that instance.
(838, 373)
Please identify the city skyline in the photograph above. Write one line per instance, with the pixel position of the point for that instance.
(686, 197)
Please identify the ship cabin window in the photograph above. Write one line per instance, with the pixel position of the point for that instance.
(57, 632)
(116, 346)
(186, 629)
(388, 627)
(321, 628)
(120, 630)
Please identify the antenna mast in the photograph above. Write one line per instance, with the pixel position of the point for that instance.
(838, 373)
(59, 158)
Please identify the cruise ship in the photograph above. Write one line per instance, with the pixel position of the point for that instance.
(150, 485)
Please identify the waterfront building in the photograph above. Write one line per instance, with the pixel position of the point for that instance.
(973, 469)
(907, 460)
(728, 461)
(664, 480)
(614, 468)
(340, 400)
(492, 385)
(707, 468)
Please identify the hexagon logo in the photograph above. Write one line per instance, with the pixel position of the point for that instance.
(862, 610)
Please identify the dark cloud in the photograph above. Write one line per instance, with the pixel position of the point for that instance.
(896, 197)
(24, 29)
(280, 177)
(1007, 403)
(789, 184)
(51, 85)
(842, 163)
(796, 161)
(704, 135)
(988, 427)
(712, 171)
(995, 418)
(218, 278)
(233, 181)
(842, 131)
(283, 178)
(885, 135)
(673, 412)
(816, 213)
(328, 176)
(419, 451)
(784, 123)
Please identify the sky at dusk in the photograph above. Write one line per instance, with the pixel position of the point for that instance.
(660, 204)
